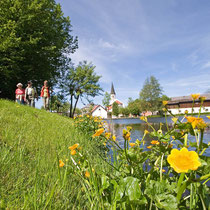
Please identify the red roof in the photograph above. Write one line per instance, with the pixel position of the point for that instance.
(118, 102)
(95, 107)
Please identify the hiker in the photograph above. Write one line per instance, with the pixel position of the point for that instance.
(30, 94)
(20, 94)
(45, 94)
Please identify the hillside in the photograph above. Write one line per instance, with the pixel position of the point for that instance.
(31, 144)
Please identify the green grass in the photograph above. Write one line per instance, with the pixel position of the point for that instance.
(31, 143)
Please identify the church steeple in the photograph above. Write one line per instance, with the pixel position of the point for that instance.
(112, 95)
(112, 90)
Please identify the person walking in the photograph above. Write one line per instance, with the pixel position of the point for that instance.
(45, 94)
(20, 94)
(30, 94)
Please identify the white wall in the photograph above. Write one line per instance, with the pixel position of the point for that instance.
(196, 110)
(100, 112)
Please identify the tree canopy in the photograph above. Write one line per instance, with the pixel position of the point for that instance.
(106, 99)
(115, 109)
(35, 39)
(80, 82)
(150, 94)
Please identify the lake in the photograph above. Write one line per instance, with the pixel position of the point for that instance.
(116, 126)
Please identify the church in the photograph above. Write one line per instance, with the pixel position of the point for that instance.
(113, 99)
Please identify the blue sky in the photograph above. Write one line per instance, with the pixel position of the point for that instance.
(130, 40)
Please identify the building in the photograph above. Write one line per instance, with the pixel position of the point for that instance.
(99, 111)
(114, 99)
(178, 105)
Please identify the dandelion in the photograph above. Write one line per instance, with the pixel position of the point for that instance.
(149, 147)
(132, 144)
(73, 147)
(155, 142)
(195, 96)
(165, 103)
(61, 163)
(98, 132)
(87, 174)
(73, 152)
(183, 160)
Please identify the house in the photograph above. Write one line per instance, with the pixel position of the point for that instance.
(114, 99)
(99, 111)
(179, 105)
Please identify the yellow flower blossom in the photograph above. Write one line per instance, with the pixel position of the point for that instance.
(61, 163)
(146, 132)
(114, 138)
(143, 118)
(108, 135)
(196, 122)
(163, 170)
(132, 144)
(186, 112)
(174, 119)
(183, 160)
(208, 117)
(165, 103)
(73, 152)
(129, 128)
(155, 142)
(87, 174)
(202, 98)
(98, 132)
(149, 147)
(73, 147)
(195, 96)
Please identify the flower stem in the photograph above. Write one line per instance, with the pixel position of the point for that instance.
(180, 180)
(185, 139)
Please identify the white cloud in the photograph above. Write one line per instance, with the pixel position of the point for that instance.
(206, 65)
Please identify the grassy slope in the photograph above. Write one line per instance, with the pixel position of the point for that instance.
(31, 143)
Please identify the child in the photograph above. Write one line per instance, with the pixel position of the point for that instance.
(30, 94)
(20, 94)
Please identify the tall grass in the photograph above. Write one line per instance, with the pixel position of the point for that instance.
(31, 143)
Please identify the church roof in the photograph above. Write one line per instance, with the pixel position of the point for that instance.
(112, 90)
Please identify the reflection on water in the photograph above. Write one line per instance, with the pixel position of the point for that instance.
(116, 126)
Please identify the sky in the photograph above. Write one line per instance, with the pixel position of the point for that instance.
(130, 40)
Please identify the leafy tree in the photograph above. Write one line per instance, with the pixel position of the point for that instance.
(134, 107)
(106, 99)
(124, 111)
(115, 109)
(150, 95)
(78, 111)
(35, 43)
(80, 82)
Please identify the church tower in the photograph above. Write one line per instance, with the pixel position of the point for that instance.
(112, 95)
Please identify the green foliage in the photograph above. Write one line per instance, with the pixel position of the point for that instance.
(150, 95)
(115, 109)
(34, 43)
(124, 111)
(134, 107)
(80, 82)
(106, 99)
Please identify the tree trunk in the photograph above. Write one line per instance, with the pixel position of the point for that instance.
(75, 105)
(71, 103)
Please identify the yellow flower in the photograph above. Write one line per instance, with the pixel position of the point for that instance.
(61, 163)
(129, 128)
(149, 147)
(143, 118)
(132, 144)
(114, 138)
(73, 147)
(165, 103)
(108, 135)
(208, 117)
(126, 134)
(73, 152)
(146, 132)
(173, 137)
(104, 143)
(98, 132)
(155, 142)
(183, 160)
(202, 98)
(195, 96)
(197, 122)
(186, 112)
(87, 174)
(174, 119)
(163, 170)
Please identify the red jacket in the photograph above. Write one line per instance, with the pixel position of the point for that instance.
(42, 91)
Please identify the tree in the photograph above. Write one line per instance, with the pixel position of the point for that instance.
(150, 94)
(80, 82)
(106, 99)
(35, 43)
(115, 109)
(134, 107)
(124, 111)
